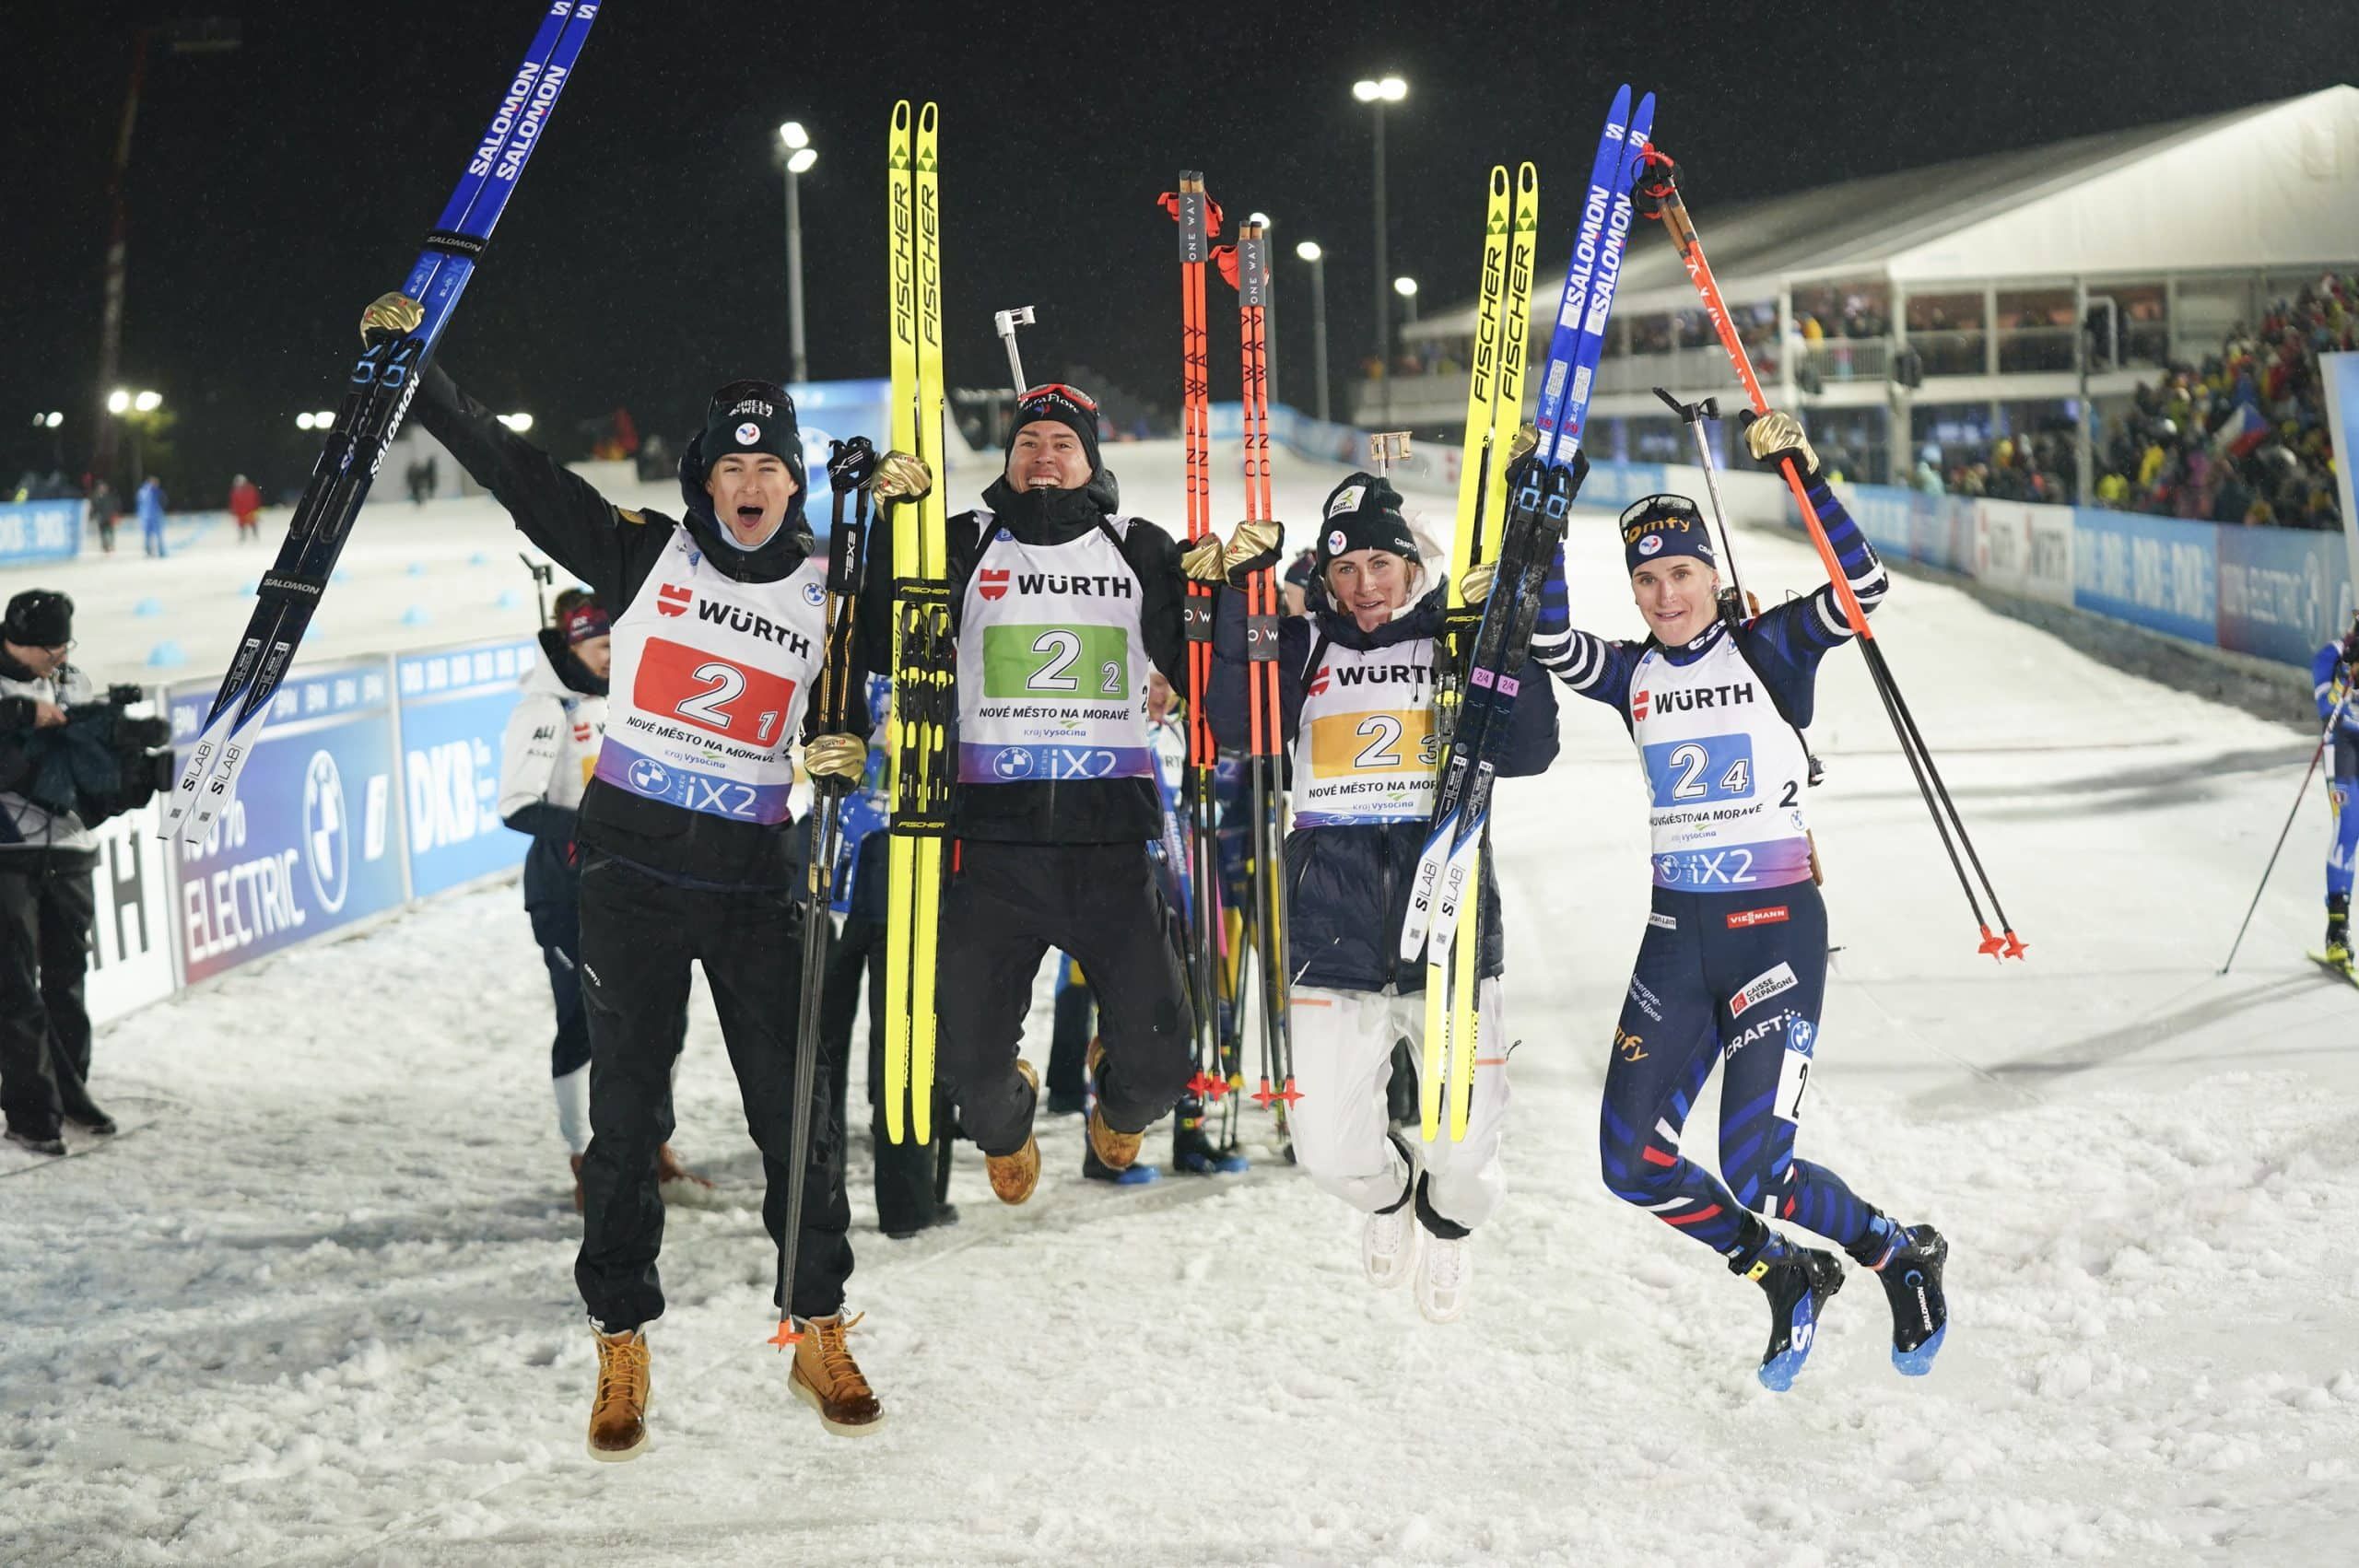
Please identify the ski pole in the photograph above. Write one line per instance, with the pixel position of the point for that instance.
(1007, 321)
(2318, 752)
(850, 466)
(1659, 183)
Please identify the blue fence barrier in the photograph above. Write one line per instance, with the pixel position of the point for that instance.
(39, 530)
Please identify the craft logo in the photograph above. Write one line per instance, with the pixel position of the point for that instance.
(1741, 918)
(672, 599)
(1638, 703)
(748, 433)
(995, 583)
(327, 838)
(1761, 988)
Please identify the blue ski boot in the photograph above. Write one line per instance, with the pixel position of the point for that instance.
(1797, 1280)
(1193, 1151)
(1908, 1260)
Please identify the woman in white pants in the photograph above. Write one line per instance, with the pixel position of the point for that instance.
(1356, 687)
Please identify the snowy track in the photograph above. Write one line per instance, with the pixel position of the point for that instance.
(320, 1309)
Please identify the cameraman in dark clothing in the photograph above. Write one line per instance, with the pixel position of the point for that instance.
(68, 761)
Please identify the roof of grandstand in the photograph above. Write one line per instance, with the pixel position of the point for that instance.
(2274, 186)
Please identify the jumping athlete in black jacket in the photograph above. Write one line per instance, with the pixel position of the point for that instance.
(684, 846)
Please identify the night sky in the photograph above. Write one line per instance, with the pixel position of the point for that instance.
(275, 190)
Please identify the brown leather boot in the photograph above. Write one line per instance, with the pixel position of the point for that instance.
(1015, 1176)
(1116, 1151)
(827, 1379)
(618, 1418)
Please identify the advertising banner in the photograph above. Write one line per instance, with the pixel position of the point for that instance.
(2341, 374)
(453, 704)
(2024, 548)
(131, 934)
(2283, 592)
(2156, 572)
(313, 840)
(39, 530)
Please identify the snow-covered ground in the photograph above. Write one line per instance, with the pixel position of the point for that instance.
(317, 1308)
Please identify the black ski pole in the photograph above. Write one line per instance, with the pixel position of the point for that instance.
(2283, 833)
(850, 464)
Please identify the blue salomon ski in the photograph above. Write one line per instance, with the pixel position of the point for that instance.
(382, 382)
(1536, 520)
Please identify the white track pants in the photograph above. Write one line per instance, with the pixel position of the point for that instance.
(1343, 1058)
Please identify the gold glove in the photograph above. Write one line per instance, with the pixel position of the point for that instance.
(1254, 538)
(396, 314)
(900, 477)
(1476, 585)
(840, 757)
(1203, 560)
(1777, 435)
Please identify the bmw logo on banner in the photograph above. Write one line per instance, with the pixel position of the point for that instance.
(327, 831)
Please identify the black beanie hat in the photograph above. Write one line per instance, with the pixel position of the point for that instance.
(1059, 404)
(1363, 513)
(753, 416)
(39, 617)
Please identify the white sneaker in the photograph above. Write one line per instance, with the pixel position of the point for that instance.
(1445, 1269)
(1388, 1247)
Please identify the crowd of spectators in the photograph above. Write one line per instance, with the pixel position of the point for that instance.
(2241, 438)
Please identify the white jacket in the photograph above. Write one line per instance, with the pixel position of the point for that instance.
(551, 742)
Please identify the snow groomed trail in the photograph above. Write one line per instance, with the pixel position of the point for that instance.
(318, 1308)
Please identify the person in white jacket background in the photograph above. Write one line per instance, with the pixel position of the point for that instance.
(548, 754)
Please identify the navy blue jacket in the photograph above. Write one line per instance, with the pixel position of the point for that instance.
(1347, 887)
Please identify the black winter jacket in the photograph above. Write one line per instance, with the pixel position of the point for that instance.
(613, 549)
(1090, 810)
(1347, 886)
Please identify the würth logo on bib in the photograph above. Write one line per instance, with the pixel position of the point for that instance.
(1318, 682)
(670, 599)
(1638, 705)
(994, 584)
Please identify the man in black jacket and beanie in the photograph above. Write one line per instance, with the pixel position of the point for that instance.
(685, 838)
(1061, 607)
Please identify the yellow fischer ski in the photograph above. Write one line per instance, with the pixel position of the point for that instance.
(924, 652)
(1493, 413)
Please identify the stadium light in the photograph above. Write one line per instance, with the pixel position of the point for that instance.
(1308, 251)
(119, 400)
(149, 402)
(795, 137)
(801, 160)
(56, 418)
(303, 421)
(1405, 286)
(519, 423)
(1376, 94)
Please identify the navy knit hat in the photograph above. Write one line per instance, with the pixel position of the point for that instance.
(1363, 513)
(1657, 528)
(752, 417)
(1058, 404)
